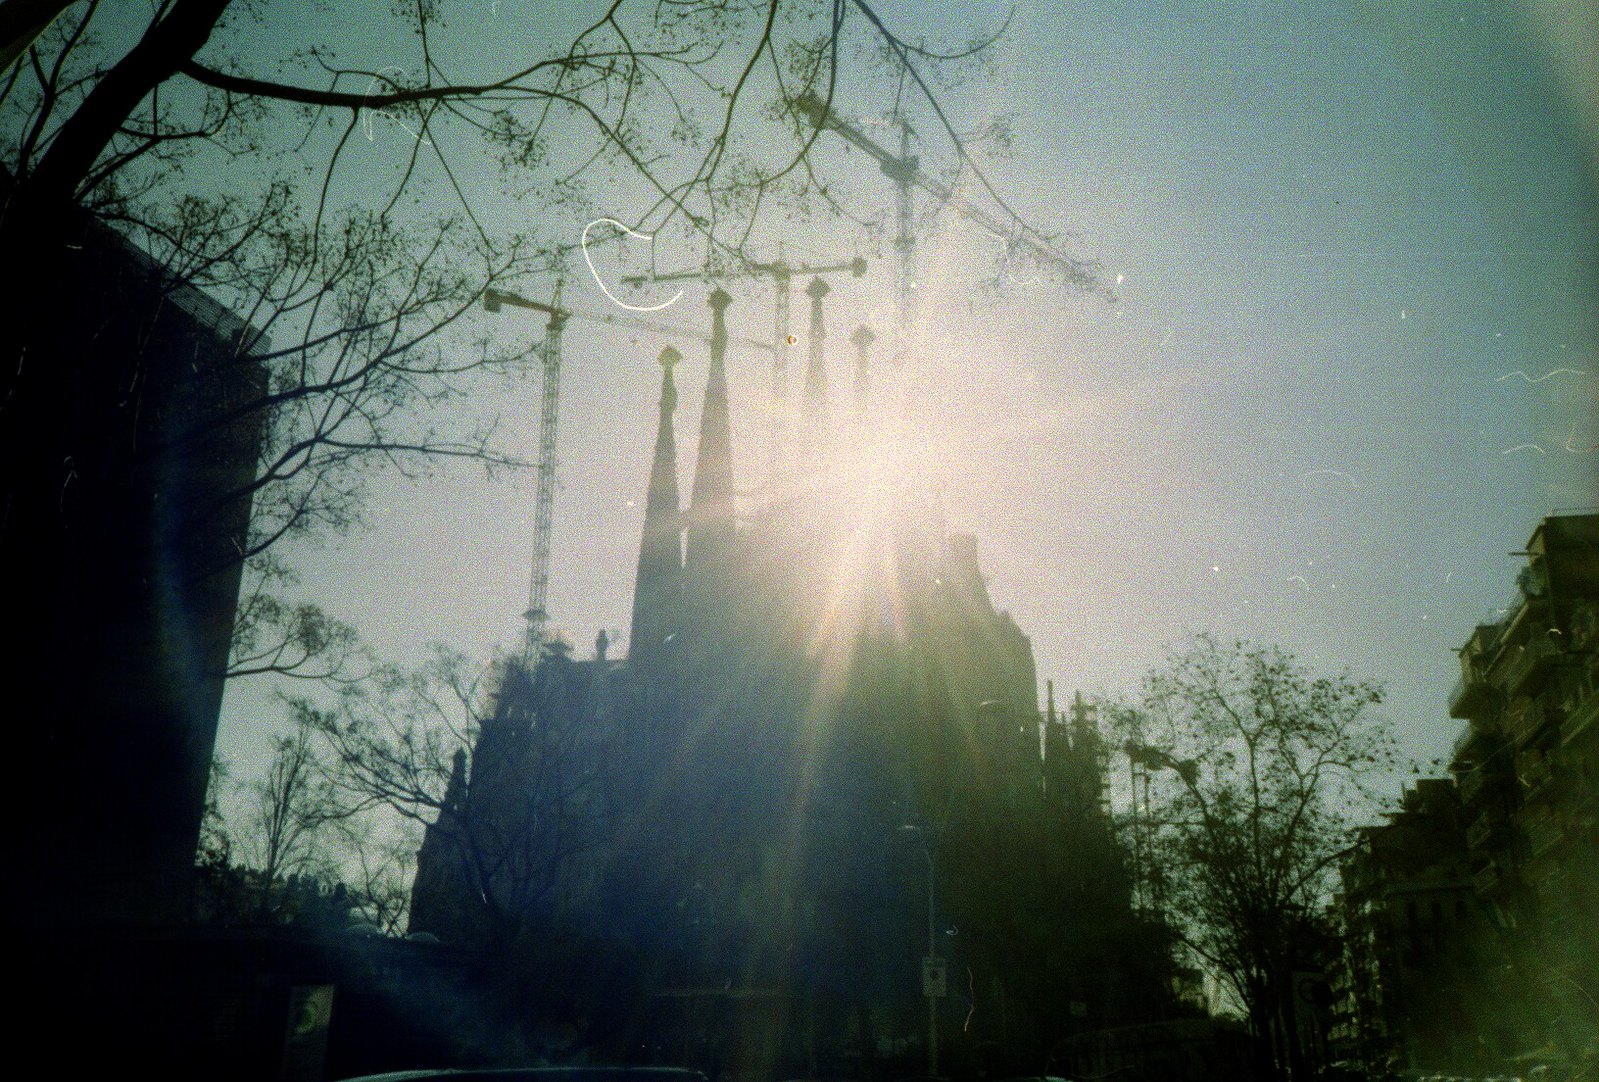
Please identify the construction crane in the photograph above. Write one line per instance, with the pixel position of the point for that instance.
(904, 169)
(493, 298)
(782, 274)
(537, 615)
(544, 504)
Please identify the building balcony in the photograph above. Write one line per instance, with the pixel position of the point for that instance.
(1538, 778)
(1469, 697)
(1482, 832)
(1538, 719)
(1529, 671)
(1544, 834)
(1579, 721)
(1552, 883)
(1476, 743)
(1473, 785)
(1488, 880)
(1484, 637)
(1533, 582)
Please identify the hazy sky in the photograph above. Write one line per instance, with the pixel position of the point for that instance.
(1354, 359)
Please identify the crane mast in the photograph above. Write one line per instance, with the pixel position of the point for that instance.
(544, 507)
(544, 502)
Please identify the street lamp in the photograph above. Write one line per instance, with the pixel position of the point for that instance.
(933, 972)
(1154, 759)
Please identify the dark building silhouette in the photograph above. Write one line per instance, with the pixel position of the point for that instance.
(129, 460)
(125, 511)
(1527, 766)
(820, 708)
(1469, 918)
(1413, 988)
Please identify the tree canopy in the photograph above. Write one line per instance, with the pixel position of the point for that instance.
(316, 299)
(1254, 769)
(225, 139)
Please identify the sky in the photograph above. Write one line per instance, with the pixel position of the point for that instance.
(1352, 362)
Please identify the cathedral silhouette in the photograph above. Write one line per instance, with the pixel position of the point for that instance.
(747, 831)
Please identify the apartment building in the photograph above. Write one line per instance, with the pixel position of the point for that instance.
(1410, 992)
(1527, 767)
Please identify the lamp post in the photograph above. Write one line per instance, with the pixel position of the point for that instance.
(1154, 759)
(933, 973)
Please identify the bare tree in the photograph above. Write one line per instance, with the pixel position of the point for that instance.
(1257, 770)
(291, 840)
(376, 863)
(338, 297)
(216, 848)
(275, 857)
(668, 94)
(297, 640)
(233, 182)
(507, 793)
(281, 828)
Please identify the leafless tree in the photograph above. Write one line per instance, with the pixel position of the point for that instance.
(290, 838)
(297, 640)
(1257, 770)
(341, 296)
(232, 170)
(670, 94)
(376, 862)
(509, 797)
(281, 830)
(216, 848)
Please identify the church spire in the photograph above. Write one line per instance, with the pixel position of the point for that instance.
(660, 556)
(862, 340)
(711, 515)
(816, 367)
(455, 789)
(813, 421)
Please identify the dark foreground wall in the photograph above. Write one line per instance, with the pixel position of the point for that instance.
(246, 1004)
(119, 553)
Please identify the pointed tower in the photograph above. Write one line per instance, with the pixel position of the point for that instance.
(657, 590)
(816, 366)
(814, 433)
(862, 340)
(711, 522)
(455, 788)
(437, 901)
